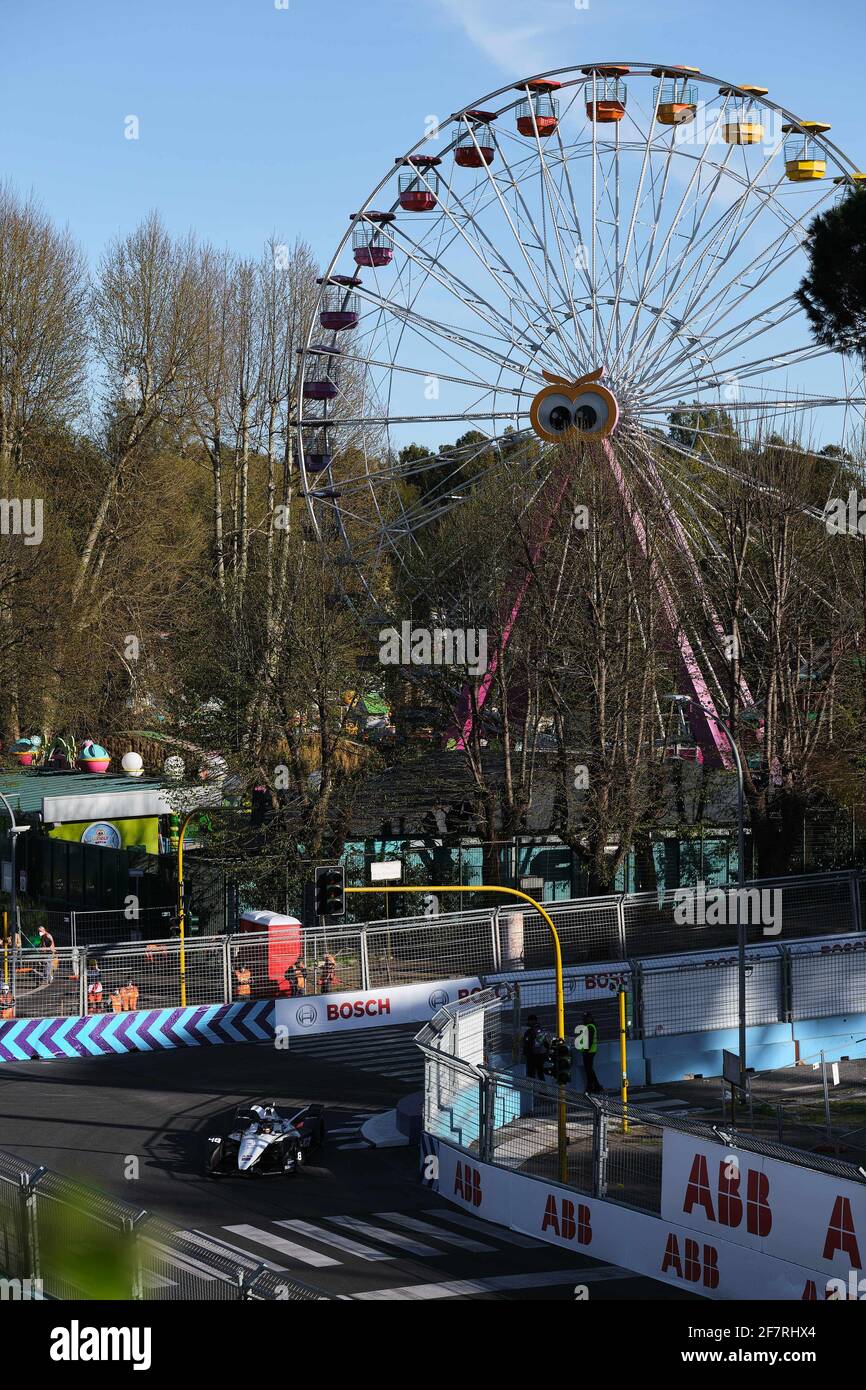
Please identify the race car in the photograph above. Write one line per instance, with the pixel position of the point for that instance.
(265, 1139)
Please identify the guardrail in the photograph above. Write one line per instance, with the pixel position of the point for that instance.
(59, 1240)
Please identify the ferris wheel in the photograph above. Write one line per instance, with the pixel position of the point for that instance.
(579, 256)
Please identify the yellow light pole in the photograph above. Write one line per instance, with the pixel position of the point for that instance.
(623, 1061)
(560, 991)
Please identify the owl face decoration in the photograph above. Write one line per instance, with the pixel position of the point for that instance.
(583, 407)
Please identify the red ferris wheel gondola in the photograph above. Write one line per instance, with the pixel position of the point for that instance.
(370, 244)
(419, 191)
(475, 149)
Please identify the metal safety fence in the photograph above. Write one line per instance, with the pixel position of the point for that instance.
(59, 1240)
(694, 991)
(474, 1101)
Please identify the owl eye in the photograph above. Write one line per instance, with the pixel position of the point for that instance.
(591, 412)
(555, 414)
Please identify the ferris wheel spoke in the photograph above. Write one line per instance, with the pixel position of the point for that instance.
(675, 221)
(672, 390)
(469, 296)
(716, 348)
(476, 250)
(451, 334)
(716, 302)
(623, 259)
(771, 258)
(514, 184)
(764, 264)
(702, 250)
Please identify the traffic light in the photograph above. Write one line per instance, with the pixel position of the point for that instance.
(331, 890)
(558, 1064)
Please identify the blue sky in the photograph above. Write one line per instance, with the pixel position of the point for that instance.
(256, 119)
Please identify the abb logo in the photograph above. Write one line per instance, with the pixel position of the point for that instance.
(561, 1217)
(841, 1233)
(467, 1184)
(361, 1008)
(730, 1206)
(690, 1266)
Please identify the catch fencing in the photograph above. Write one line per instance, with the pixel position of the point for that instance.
(683, 989)
(59, 1240)
(474, 1102)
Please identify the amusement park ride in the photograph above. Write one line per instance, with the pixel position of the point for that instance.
(575, 262)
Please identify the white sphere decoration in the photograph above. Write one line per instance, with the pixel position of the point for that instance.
(174, 767)
(132, 764)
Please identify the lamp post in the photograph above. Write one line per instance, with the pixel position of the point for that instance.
(741, 874)
(14, 830)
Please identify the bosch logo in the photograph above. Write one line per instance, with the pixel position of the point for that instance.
(359, 1008)
(438, 998)
(307, 1015)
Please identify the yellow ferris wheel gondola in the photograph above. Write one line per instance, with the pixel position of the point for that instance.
(804, 160)
(676, 97)
(745, 125)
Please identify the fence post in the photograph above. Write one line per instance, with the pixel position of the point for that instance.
(515, 1023)
(496, 953)
(856, 916)
(599, 1151)
(246, 1282)
(637, 999)
(227, 969)
(787, 986)
(620, 926)
(82, 979)
(130, 1226)
(365, 960)
(486, 1102)
(31, 1220)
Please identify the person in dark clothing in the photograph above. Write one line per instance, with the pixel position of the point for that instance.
(536, 1049)
(593, 1086)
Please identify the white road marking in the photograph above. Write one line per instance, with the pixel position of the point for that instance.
(465, 1288)
(412, 1247)
(224, 1247)
(285, 1247)
(458, 1218)
(426, 1228)
(352, 1247)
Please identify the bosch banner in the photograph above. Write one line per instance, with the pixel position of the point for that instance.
(365, 1008)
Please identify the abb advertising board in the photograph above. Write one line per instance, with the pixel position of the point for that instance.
(365, 1008)
(709, 1264)
(780, 1209)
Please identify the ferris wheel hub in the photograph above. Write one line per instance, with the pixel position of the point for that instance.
(574, 407)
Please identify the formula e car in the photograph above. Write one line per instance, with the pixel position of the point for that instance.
(265, 1139)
